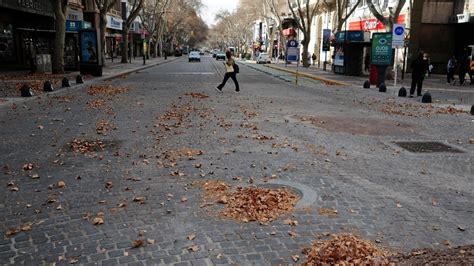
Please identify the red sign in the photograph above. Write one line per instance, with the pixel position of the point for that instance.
(371, 24)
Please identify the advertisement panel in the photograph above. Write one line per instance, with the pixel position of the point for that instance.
(326, 39)
(382, 48)
(88, 44)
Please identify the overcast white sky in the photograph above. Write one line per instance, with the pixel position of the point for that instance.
(211, 7)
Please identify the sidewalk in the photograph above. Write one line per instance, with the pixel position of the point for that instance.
(434, 82)
(11, 81)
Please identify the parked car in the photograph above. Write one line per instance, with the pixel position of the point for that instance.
(194, 56)
(263, 58)
(220, 55)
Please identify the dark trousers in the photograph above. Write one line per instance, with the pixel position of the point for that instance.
(450, 75)
(418, 83)
(462, 77)
(228, 75)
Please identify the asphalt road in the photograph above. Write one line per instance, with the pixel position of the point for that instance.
(332, 144)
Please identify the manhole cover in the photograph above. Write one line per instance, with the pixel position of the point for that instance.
(426, 147)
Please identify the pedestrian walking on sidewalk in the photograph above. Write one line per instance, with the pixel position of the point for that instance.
(419, 67)
(229, 72)
(451, 68)
(463, 67)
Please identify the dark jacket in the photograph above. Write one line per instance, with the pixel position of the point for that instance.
(419, 67)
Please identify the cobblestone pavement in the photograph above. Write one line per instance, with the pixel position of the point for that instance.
(335, 143)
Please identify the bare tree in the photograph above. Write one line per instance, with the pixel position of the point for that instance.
(104, 6)
(344, 11)
(60, 10)
(135, 8)
(393, 12)
(151, 16)
(304, 15)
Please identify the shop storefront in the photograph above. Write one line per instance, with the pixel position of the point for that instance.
(26, 30)
(113, 37)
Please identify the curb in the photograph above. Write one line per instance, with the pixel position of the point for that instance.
(17, 100)
(325, 80)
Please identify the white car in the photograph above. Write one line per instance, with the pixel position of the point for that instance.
(220, 55)
(194, 56)
(263, 58)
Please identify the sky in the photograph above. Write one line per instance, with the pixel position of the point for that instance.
(211, 7)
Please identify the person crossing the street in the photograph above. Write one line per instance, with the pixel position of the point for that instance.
(229, 73)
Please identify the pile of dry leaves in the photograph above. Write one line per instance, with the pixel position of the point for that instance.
(105, 89)
(86, 146)
(249, 204)
(345, 249)
(197, 95)
(417, 110)
(102, 126)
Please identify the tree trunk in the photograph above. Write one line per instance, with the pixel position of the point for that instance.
(125, 44)
(59, 40)
(156, 48)
(305, 44)
(102, 27)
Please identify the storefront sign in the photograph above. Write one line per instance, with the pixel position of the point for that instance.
(292, 43)
(326, 39)
(350, 36)
(463, 18)
(382, 48)
(86, 25)
(43, 7)
(372, 24)
(114, 23)
(73, 25)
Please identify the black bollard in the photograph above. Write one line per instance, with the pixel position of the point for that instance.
(426, 98)
(366, 84)
(26, 91)
(402, 92)
(79, 79)
(472, 110)
(47, 86)
(65, 82)
(382, 87)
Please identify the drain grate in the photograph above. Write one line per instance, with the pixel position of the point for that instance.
(427, 147)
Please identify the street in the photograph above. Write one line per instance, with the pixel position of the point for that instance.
(131, 194)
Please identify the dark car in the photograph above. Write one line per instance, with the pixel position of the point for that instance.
(220, 55)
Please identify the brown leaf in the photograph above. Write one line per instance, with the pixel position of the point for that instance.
(193, 248)
(28, 166)
(295, 258)
(434, 202)
(184, 199)
(399, 205)
(290, 222)
(102, 201)
(292, 233)
(150, 241)
(461, 228)
(191, 237)
(98, 221)
(11, 232)
(137, 243)
(35, 176)
(140, 200)
(446, 242)
(109, 185)
(122, 205)
(61, 184)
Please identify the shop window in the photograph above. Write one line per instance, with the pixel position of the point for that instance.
(7, 47)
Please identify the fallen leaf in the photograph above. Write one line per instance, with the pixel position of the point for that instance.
(193, 248)
(98, 221)
(290, 222)
(471, 141)
(26, 227)
(125, 253)
(399, 205)
(295, 258)
(191, 237)
(137, 243)
(292, 233)
(434, 202)
(11, 231)
(102, 201)
(28, 166)
(140, 200)
(150, 241)
(184, 199)
(61, 184)
(461, 228)
(72, 261)
(122, 205)
(446, 242)
(109, 185)
(35, 176)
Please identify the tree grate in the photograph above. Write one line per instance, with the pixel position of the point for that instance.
(427, 147)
